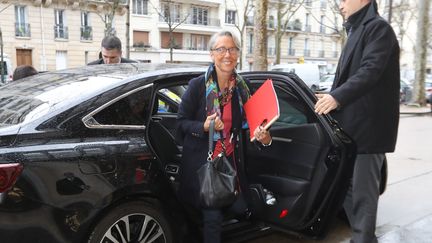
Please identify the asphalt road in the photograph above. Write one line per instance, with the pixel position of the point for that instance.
(405, 208)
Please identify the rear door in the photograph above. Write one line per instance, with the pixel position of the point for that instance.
(299, 182)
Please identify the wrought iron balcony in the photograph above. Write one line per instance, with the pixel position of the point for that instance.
(86, 33)
(291, 52)
(61, 32)
(22, 30)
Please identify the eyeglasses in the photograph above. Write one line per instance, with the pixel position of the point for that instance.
(223, 50)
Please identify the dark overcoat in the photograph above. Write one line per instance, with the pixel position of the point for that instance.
(190, 132)
(367, 84)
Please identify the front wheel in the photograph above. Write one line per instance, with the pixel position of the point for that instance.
(133, 222)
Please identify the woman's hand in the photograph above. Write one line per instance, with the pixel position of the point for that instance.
(218, 123)
(263, 136)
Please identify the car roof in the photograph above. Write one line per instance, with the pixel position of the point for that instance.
(58, 90)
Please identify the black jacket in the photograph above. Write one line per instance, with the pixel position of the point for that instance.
(367, 84)
(190, 132)
(100, 61)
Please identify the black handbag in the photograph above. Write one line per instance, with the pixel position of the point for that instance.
(217, 178)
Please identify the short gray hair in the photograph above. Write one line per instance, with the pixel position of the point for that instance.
(222, 33)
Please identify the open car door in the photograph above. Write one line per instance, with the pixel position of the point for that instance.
(300, 181)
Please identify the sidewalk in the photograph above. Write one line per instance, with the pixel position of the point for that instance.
(408, 109)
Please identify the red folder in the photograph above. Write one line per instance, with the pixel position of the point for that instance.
(262, 108)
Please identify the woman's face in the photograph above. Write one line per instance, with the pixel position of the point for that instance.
(224, 54)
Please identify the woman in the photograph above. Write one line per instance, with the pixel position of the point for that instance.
(218, 95)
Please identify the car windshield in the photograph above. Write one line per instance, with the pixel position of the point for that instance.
(33, 97)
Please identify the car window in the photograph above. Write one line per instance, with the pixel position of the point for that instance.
(129, 110)
(293, 111)
(169, 98)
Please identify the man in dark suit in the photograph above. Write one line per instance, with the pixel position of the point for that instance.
(364, 99)
(111, 51)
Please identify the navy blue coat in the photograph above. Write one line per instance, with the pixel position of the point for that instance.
(190, 132)
(367, 85)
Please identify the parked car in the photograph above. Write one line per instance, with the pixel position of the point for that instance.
(326, 83)
(428, 89)
(307, 72)
(405, 91)
(89, 155)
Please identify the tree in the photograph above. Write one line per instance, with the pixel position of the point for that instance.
(247, 9)
(169, 12)
(285, 11)
(110, 8)
(260, 36)
(421, 53)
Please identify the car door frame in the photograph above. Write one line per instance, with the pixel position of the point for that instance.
(315, 222)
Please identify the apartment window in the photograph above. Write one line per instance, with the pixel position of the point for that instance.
(177, 42)
(308, 27)
(271, 23)
(22, 27)
(199, 15)
(140, 7)
(306, 48)
(199, 42)
(321, 52)
(291, 50)
(141, 39)
(230, 16)
(335, 48)
(112, 31)
(250, 50)
(170, 12)
(322, 24)
(86, 29)
(60, 28)
(308, 3)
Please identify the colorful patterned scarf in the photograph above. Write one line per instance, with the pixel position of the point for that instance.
(213, 94)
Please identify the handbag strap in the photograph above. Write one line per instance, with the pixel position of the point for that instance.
(211, 134)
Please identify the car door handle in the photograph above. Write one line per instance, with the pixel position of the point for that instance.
(286, 140)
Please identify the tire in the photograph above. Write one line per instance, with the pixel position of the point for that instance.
(125, 223)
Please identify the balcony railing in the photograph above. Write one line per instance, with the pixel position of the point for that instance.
(271, 51)
(321, 53)
(22, 30)
(86, 33)
(192, 20)
(322, 29)
(291, 52)
(61, 32)
(306, 53)
(335, 54)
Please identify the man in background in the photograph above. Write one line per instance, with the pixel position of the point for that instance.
(111, 52)
(364, 99)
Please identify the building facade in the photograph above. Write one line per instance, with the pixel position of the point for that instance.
(56, 34)
(312, 35)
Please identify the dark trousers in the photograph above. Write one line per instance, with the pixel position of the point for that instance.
(361, 202)
(212, 220)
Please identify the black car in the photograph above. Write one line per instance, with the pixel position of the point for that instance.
(89, 155)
